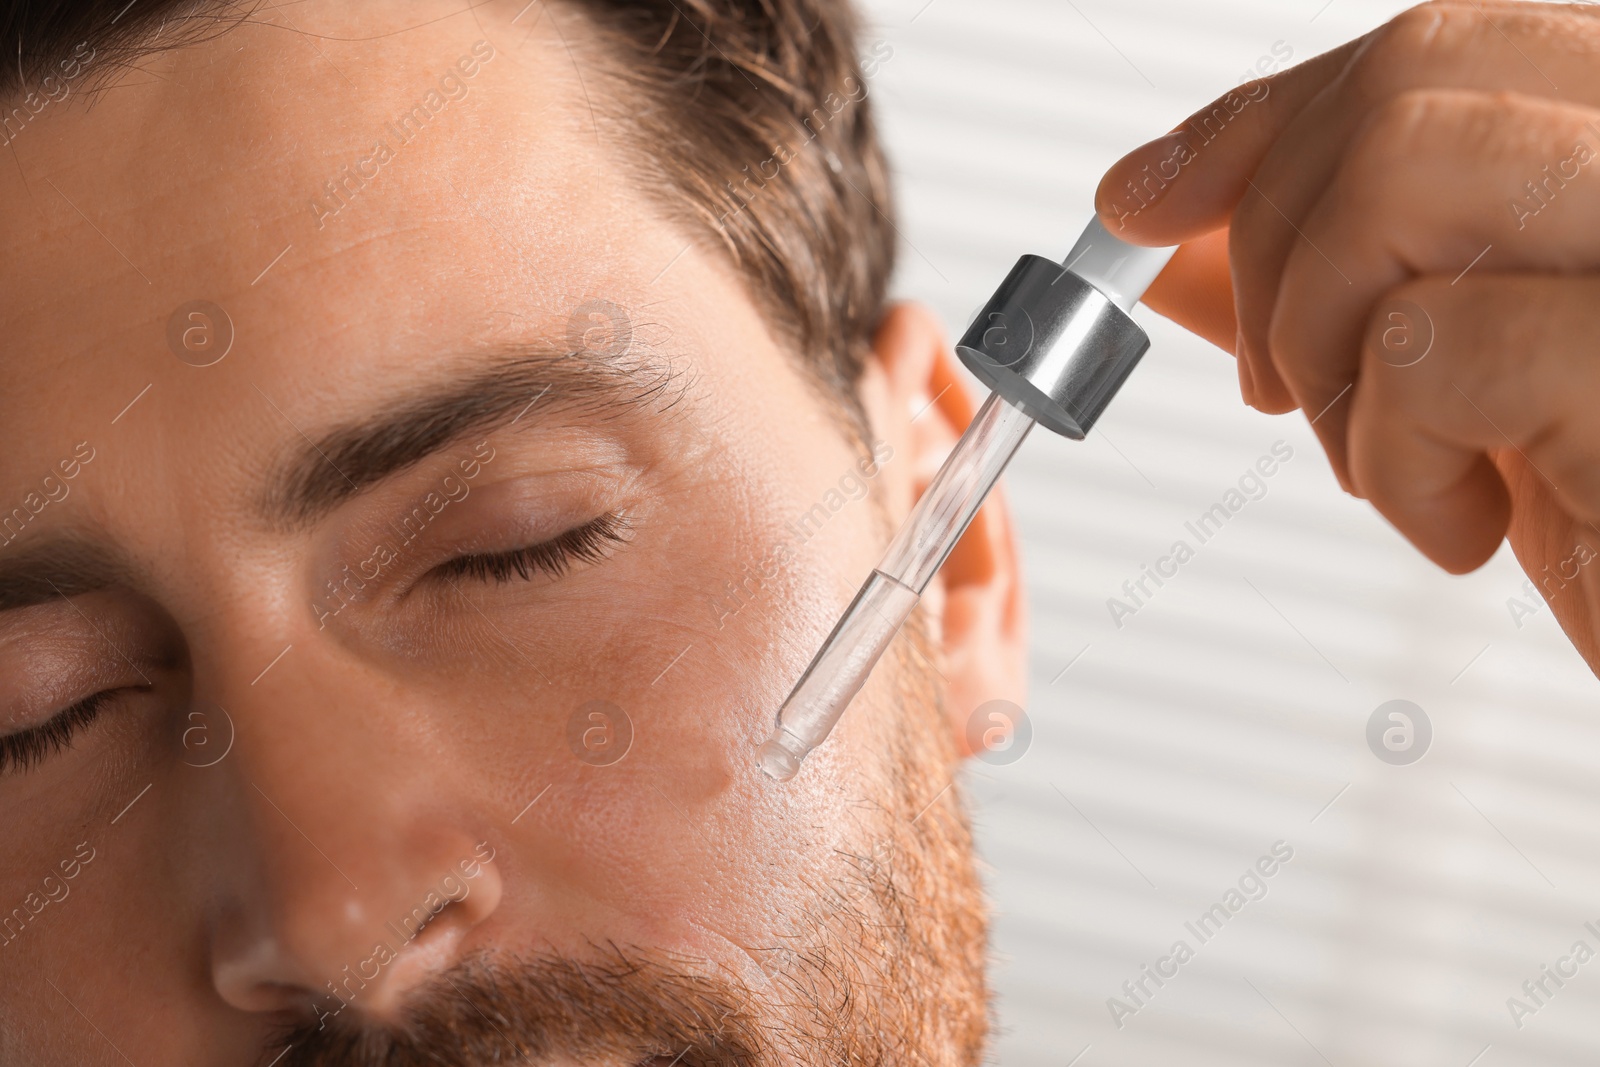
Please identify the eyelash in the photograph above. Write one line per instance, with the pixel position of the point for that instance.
(582, 544)
(23, 750)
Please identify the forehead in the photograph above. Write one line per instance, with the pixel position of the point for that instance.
(350, 196)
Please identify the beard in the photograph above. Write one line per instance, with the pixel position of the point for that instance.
(885, 965)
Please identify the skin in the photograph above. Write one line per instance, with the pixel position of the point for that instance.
(1332, 228)
(347, 765)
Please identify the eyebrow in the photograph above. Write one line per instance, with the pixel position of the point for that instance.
(57, 569)
(501, 387)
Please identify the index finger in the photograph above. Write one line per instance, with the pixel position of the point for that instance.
(1163, 194)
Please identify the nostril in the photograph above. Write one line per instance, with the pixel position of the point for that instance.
(405, 961)
(425, 941)
(260, 978)
(316, 948)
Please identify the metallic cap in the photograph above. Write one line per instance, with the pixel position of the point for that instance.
(1053, 345)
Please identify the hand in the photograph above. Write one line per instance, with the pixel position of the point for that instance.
(1401, 238)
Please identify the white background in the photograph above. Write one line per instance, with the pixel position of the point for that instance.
(1230, 711)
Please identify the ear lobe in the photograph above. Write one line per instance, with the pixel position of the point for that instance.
(976, 603)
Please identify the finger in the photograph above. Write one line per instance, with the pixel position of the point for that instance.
(1508, 370)
(1556, 550)
(1187, 183)
(1524, 48)
(1196, 290)
(1437, 183)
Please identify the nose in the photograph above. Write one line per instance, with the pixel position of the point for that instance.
(353, 863)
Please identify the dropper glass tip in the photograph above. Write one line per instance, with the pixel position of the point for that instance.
(891, 593)
(778, 762)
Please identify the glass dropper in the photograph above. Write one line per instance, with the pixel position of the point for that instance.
(889, 596)
(1055, 343)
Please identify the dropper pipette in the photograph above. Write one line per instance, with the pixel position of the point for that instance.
(1055, 343)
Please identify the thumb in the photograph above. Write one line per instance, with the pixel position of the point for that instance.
(1196, 291)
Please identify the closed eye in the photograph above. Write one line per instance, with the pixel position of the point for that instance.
(30, 747)
(588, 543)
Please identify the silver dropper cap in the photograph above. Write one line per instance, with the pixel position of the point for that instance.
(1056, 340)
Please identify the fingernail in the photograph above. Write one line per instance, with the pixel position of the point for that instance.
(1247, 378)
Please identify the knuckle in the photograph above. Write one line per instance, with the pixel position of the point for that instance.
(1425, 290)
(1400, 53)
(1388, 142)
(1409, 144)
(1396, 124)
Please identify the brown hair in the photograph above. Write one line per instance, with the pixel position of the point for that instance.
(755, 113)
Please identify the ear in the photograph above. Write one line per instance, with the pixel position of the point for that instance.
(917, 401)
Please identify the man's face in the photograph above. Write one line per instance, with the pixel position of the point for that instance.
(424, 533)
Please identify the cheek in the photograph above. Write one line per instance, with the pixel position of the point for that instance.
(682, 840)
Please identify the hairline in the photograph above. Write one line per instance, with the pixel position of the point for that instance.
(840, 399)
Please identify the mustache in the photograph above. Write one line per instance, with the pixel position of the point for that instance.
(633, 1005)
